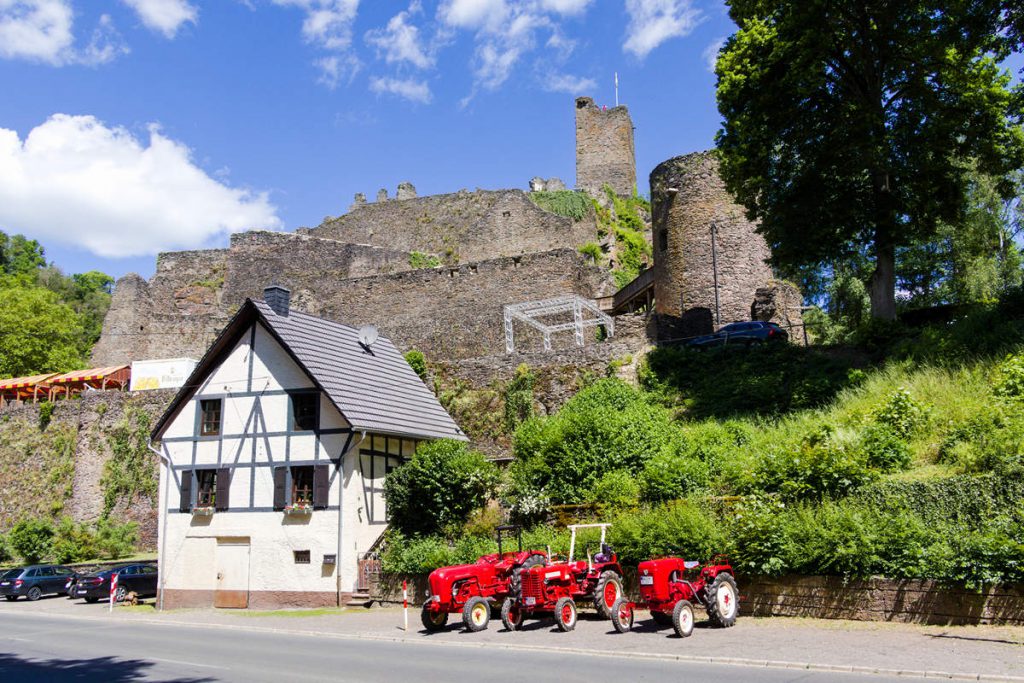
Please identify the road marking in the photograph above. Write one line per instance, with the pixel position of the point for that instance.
(181, 663)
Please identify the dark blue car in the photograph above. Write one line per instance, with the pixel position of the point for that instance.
(754, 332)
(34, 581)
(140, 579)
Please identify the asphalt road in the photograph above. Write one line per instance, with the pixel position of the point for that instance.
(48, 648)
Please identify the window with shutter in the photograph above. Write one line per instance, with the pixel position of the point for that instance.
(186, 491)
(280, 482)
(302, 485)
(206, 488)
(321, 486)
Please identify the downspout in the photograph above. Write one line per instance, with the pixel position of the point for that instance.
(341, 504)
(163, 529)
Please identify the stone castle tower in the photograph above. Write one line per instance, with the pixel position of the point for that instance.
(710, 261)
(604, 148)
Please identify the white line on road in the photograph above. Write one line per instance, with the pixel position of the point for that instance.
(178, 662)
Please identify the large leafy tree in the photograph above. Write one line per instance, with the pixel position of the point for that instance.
(846, 123)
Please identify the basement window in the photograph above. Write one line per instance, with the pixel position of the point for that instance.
(301, 556)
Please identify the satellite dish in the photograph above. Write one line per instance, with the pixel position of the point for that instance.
(367, 335)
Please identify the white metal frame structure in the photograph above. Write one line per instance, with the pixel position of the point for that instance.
(529, 312)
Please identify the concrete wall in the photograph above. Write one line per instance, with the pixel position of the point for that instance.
(687, 198)
(458, 228)
(604, 148)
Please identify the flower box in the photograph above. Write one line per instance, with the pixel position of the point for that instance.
(298, 509)
(203, 511)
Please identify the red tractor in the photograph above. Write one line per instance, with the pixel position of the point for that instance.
(670, 586)
(471, 589)
(555, 587)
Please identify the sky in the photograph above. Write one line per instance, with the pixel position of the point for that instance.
(129, 127)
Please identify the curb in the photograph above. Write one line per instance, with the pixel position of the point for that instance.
(726, 661)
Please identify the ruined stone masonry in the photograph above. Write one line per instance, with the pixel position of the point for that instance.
(604, 149)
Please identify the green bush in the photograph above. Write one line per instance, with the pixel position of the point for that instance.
(439, 487)
(115, 540)
(418, 362)
(615, 489)
(418, 260)
(830, 538)
(31, 539)
(1008, 383)
(519, 397)
(45, 414)
(568, 203)
(130, 472)
(901, 412)
(826, 464)
(593, 250)
(683, 528)
(756, 533)
(5, 551)
(73, 542)
(669, 476)
(884, 449)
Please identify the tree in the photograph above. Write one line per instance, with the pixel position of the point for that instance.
(442, 484)
(20, 255)
(37, 332)
(846, 123)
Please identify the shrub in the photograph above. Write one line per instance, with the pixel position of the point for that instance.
(73, 542)
(568, 203)
(5, 551)
(1008, 382)
(990, 441)
(439, 487)
(418, 362)
(414, 555)
(830, 538)
(756, 533)
(483, 521)
(45, 414)
(826, 464)
(884, 449)
(31, 539)
(115, 540)
(615, 489)
(683, 528)
(593, 250)
(901, 412)
(519, 397)
(418, 260)
(669, 476)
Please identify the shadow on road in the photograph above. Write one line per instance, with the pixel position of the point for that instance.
(14, 669)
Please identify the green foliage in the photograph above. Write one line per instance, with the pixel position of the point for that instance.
(115, 540)
(1008, 382)
(593, 250)
(20, 255)
(31, 539)
(901, 413)
(684, 528)
(130, 472)
(439, 487)
(73, 542)
(623, 221)
(670, 476)
(6, 554)
(616, 489)
(885, 449)
(519, 397)
(45, 414)
(38, 333)
(418, 362)
(568, 203)
(826, 463)
(419, 259)
(805, 145)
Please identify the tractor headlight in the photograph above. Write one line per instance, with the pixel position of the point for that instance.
(436, 598)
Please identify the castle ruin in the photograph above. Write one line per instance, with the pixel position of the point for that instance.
(604, 149)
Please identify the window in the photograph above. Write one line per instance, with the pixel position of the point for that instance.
(305, 411)
(302, 485)
(663, 239)
(209, 417)
(206, 488)
(149, 569)
(301, 556)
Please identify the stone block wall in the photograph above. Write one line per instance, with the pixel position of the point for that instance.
(688, 199)
(604, 148)
(458, 228)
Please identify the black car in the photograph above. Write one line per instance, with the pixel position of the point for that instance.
(754, 332)
(138, 578)
(34, 581)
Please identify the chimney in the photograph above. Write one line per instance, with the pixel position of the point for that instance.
(278, 298)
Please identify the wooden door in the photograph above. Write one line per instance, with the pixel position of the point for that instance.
(232, 589)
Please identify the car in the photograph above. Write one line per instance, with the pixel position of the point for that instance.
(139, 578)
(34, 581)
(747, 333)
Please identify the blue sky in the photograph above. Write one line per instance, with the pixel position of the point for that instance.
(167, 124)
(133, 126)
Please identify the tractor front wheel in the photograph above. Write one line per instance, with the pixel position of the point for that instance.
(565, 614)
(511, 615)
(622, 615)
(722, 600)
(609, 589)
(476, 614)
(682, 618)
(433, 621)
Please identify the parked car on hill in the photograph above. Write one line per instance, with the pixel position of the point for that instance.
(755, 332)
(34, 581)
(138, 578)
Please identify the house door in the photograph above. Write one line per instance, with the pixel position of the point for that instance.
(232, 589)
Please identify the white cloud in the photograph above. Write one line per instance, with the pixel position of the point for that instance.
(415, 91)
(328, 25)
(652, 22)
(567, 83)
(710, 54)
(36, 30)
(473, 14)
(567, 7)
(165, 16)
(400, 41)
(76, 181)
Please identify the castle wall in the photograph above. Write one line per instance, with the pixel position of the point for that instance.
(683, 219)
(605, 154)
(459, 228)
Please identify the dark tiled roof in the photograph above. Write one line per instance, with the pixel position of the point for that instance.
(375, 390)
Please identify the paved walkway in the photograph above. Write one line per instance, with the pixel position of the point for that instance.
(961, 652)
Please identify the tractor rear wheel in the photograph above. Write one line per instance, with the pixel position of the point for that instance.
(682, 618)
(609, 589)
(565, 614)
(511, 614)
(476, 614)
(622, 615)
(661, 619)
(722, 600)
(433, 621)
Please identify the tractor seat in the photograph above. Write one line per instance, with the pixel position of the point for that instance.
(605, 555)
(691, 564)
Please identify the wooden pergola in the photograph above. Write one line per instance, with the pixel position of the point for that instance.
(25, 388)
(113, 377)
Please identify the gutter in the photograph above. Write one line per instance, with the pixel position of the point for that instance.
(163, 530)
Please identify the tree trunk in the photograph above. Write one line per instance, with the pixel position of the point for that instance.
(883, 280)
